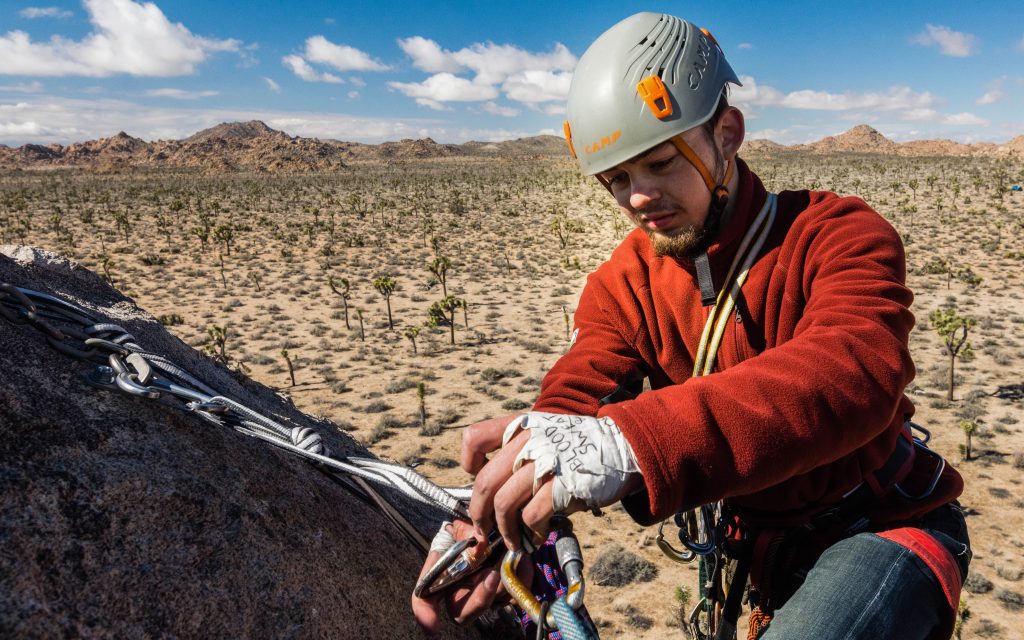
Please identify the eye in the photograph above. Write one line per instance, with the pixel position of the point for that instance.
(617, 179)
(659, 165)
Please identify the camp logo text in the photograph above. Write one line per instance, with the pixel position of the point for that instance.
(700, 65)
(606, 141)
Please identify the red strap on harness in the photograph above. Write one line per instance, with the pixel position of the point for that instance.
(937, 558)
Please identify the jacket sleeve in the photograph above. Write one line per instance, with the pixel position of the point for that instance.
(599, 361)
(832, 385)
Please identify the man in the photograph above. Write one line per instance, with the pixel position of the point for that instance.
(773, 331)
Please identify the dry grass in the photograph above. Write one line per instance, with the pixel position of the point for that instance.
(274, 242)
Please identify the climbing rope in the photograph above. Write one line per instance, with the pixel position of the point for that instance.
(121, 364)
(704, 531)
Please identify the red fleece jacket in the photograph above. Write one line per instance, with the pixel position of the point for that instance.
(807, 395)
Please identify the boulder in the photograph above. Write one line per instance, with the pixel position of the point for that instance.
(125, 517)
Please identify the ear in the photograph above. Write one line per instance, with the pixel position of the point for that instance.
(729, 132)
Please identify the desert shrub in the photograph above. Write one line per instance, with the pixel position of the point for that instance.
(378, 433)
(447, 416)
(170, 319)
(1018, 459)
(261, 359)
(151, 260)
(432, 429)
(1010, 600)
(377, 406)
(400, 385)
(987, 629)
(617, 567)
(389, 421)
(515, 404)
(977, 583)
(492, 375)
(444, 463)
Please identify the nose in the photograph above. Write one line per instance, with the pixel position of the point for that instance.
(642, 194)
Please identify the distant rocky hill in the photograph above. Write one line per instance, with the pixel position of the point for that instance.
(253, 146)
(868, 140)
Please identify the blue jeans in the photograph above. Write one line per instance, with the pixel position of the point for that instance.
(869, 587)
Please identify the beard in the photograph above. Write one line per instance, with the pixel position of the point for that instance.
(692, 240)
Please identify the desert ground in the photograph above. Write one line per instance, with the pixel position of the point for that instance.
(321, 285)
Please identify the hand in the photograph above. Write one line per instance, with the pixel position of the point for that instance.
(549, 463)
(465, 601)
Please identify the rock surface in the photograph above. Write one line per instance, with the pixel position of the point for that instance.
(122, 517)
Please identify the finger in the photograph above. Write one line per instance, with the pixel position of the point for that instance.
(509, 500)
(490, 480)
(536, 514)
(427, 611)
(476, 601)
(482, 438)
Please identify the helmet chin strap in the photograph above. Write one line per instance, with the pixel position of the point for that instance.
(719, 190)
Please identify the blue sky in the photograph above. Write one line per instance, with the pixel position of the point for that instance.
(457, 71)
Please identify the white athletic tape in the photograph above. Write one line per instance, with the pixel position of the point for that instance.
(588, 457)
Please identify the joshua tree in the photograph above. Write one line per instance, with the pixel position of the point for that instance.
(439, 266)
(123, 223)
(952, 328)
(568, 323)
(344, 291)
(107, 263)
(443, 312)
(255, 277)
(359, 316)
(203, 233)
(224, 234)
(291, 367)
(421, 395)
(913, 184)
(412, 333)
(385, 286)
(217, 347)
(968, 427)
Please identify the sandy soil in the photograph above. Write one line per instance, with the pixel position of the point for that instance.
(521, 237)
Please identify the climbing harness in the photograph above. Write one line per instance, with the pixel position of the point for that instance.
(729, 551)
(122, 364)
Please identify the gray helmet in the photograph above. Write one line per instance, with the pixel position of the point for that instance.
(648, 78)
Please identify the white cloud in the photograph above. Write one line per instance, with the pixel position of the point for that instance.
(352, 95)
(523, 76)
(276, 88)
(302, 69)
(764, 95)
(538, 86)
(445, 87)
(744, 45)
(428, 56)
(951, 43)
(21, 87)
(357, 81)
(341, 57)
(180, 94)
(44, 12)
(496, 109)
(995, 92)
(931, 115)
(127, 37)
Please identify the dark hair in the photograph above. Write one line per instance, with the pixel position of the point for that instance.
(723, 104)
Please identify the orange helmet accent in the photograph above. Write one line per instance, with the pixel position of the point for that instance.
(710, 37)
(567, 130)
(653, 91)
